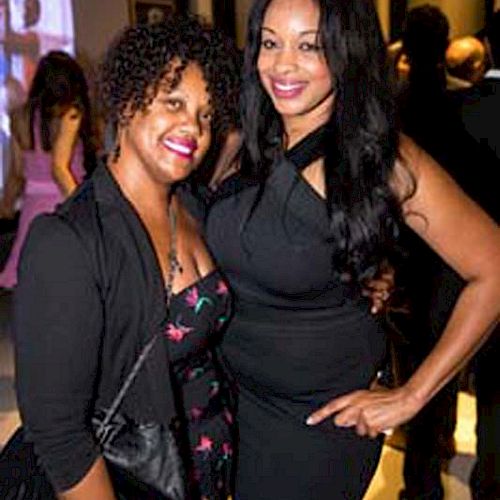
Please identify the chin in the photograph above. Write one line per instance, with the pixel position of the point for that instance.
(179, 174)
(290, 110)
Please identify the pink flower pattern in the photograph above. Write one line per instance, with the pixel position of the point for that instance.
(192, 297)
(195, 301)
(222, 288)
(176, 333)
(205, 444)
(196, 412)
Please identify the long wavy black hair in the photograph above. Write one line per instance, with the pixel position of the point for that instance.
(59, 84)
(359, 160)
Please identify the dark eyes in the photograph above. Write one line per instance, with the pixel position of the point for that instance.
(207, 117)
(303, 46)
(173, 104)
(268, 44)
(310, 47)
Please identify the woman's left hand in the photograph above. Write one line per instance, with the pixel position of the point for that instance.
(372, 411)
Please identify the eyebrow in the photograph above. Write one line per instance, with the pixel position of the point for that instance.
(306, 32)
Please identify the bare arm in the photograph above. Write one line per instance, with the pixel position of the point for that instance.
(96, 484)
(62, 151)
(15, 181)
(469, 241)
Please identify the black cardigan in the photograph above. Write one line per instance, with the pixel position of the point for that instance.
(90, 295)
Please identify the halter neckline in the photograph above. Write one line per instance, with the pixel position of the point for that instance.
(308, 149)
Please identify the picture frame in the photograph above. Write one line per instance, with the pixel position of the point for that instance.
(151, 11)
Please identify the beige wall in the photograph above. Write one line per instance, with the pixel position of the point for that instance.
(242, 8)
(96, 22)
(465, 16)
(384, 12)
(202, 8)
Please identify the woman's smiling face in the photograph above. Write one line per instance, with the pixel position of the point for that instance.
(173, 134)
(291, 63)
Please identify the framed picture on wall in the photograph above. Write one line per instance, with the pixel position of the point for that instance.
(153, 11)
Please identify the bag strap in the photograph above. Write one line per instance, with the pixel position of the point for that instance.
(173, 267)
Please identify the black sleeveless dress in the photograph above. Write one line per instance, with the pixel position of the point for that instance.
(297, 339)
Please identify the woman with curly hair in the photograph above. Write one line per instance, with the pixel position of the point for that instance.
(324, 181)
(122, 262)
(52, 147)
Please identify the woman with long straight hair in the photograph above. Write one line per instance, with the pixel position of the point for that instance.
(324, 181)
(52, 147)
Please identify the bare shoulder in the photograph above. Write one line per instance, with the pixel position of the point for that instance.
(419, 180)
(69, 121)
(65, 128)
(71, 114)
(406, 168)
(437, 209)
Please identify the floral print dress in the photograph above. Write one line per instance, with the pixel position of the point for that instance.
(196, 317)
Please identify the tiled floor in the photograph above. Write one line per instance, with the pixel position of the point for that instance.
(385, 485)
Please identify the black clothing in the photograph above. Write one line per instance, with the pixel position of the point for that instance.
(485, 477)
(299, 338)
(442, 123)
(480, 111)
(431, 117)
(90, 296)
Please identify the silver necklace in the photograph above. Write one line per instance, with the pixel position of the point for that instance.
(173, 262)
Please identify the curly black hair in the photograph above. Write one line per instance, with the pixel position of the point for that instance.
(146, 56)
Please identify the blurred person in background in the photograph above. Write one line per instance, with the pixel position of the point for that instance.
(431, 114)
(480, 112)
(398, 64)
(466, 61)
(52, 147)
